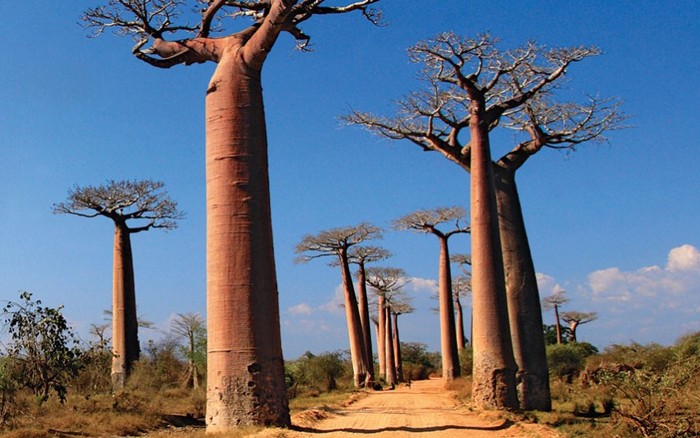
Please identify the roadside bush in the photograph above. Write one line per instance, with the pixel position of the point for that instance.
(566, 361)
(322, 373)
(417, 362)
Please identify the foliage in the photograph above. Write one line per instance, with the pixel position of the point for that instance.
(160, 367)
(316, 373)
(418, 363)
(43, 354)
(466, 360)
(659, 403)
(566, 361)
(192, 328)
(550, 334)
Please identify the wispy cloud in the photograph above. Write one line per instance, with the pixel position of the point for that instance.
(300, 309)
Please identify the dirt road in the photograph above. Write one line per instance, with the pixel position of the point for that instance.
(424, 410)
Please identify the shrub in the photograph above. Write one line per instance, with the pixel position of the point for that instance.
(566, 361)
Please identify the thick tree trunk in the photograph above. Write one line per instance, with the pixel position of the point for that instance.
(397, 349)
(381, 334)
(572, 331)
(461, 338)
(448, 338)
(525, 312)
(389, 349)
(363, 306)
(125, 341)
(352, 316)
(245, 374)
(494, 366)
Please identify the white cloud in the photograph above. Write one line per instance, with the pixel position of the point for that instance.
(676, 280)
(417, 284)
(300, 309)
(336, 303)
(684, 258)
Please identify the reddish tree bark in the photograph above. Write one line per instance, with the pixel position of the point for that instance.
(448, 335)
(125, 340)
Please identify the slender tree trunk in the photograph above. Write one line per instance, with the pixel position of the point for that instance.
(245, 376)
(558, 323)
(448, 337)
(381, 334)
(525, 312)
(352, 315)
(365, 321)
(389, 348)
(494, 365)
(125, 341)
(461, 338)
(397, 349)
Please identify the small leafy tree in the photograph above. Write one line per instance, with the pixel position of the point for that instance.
(192, 328)
(43, 349)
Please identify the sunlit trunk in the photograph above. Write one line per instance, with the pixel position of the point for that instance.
(525, 312)
(381, 334)
(448, 338)
(363, 307)
(459, 315)
(397, 349)
(125, 341)
(245, 374)
(558, 323)
(494, 365)
(352, 316)
(389, 349)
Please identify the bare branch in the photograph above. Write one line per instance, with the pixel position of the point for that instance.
(426, 221)
(122, 201)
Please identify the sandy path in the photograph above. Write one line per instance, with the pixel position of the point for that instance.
(423, 410)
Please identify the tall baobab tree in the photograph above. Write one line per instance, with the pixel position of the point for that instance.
(555, 301)
(337, 242)
(472, 88)
(361, 255)
(399, 305)
(133, 207)
(575, 319)
(245, 377)
(386, 283)
(429, 221)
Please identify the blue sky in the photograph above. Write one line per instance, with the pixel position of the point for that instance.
(615, 225)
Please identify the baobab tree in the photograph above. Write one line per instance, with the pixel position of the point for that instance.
(399, 305)
(337, 242)
(133, 207)
(473, 87)
(192, 328)
(554, 301)
(429, 221)
(386, 283)
(575, 319)
(245, 377)
(361, 255)
(461, 287)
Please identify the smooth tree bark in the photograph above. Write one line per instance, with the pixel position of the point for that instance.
(472, 88)
(145, 205)
(245, 377)
(574, 319)
(361, 255)
(428, 221)
(554, 301)
(337, 242)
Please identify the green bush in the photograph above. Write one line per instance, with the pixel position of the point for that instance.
(316, 373)
(566, 361)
